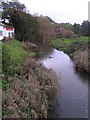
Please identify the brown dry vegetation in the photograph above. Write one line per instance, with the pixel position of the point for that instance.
(29, 94)
(80, 59)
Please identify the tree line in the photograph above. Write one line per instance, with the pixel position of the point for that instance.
(83, 29)
(36, 28)
(27, 27)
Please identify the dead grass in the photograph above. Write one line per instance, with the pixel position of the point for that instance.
(81, 60)
(30, 93)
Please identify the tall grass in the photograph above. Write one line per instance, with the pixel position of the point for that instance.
(28, 87)
(29, 94)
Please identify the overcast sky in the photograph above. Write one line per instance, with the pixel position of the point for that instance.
(59, 10)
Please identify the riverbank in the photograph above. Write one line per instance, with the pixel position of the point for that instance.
(75, 47)
(28, 87)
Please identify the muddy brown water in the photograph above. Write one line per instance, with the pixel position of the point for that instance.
(73, 102)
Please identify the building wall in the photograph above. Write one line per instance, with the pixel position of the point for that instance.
(6, 32)
(9, 33)
(1, 32)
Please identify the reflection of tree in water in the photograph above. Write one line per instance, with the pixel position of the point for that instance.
(44, 51)
(55, 109)
(85, 77)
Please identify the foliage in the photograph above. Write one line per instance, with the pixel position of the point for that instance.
(28, 87)
(69, 45)
(68, 34)
(29, 94)
(77, 48)
(77, 29)
(81, 60)
(6, 60)
(50, 19)
(46, 29)
(68, 26)
(13, 56)
(85, 28)
(26, 26)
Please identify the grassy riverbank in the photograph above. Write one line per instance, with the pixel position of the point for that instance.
(72, 46)
(28, 87)
(13, 57)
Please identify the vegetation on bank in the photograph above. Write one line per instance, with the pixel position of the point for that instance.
(13, 56)
(70, 45)
(28, 87)
(77, 48)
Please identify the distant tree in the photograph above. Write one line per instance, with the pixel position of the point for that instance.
(85, 28)
(68, 34)
(46, 30)
(50, 19)
(89, 29)
(68, 26)
(77, 29)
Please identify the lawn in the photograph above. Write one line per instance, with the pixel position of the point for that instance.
(70, 45)
(18, 54)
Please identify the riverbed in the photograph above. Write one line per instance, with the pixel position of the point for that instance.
(73, 101)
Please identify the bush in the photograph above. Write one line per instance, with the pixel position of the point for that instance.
(6, 60)
(81, 60)
(68, 34)
(13, 57)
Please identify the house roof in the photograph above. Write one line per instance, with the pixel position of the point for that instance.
(4, 25)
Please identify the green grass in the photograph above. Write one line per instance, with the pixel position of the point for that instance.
(68, 41)
(18, 54)
(13, 57)
(70, 45)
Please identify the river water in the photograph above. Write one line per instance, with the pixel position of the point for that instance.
(73, 102)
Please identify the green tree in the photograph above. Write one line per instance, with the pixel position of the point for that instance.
(46, 29)
(26, 26)
(77, 29)
(85, 28)
(89, 29)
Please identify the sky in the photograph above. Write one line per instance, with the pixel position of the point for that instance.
(72, 11)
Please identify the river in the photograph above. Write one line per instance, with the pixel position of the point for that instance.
(73, 102)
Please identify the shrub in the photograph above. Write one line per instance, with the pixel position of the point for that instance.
(68, 34)
(81, 60)
(6, 60)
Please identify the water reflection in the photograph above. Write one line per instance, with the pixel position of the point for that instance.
(73, 102)
(83, 76)
(44, 51)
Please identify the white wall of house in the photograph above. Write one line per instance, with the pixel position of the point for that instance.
(1, 32)
(6, 32)
(9, 33)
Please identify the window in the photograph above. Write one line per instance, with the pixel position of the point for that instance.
(9, 34)
(1, 33)
(12, 34)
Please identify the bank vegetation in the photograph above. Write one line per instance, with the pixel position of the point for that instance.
(28, 87)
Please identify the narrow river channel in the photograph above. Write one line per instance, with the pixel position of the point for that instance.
(73, 102)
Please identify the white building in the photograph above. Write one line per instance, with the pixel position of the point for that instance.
(1, 32)
(6, 32)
